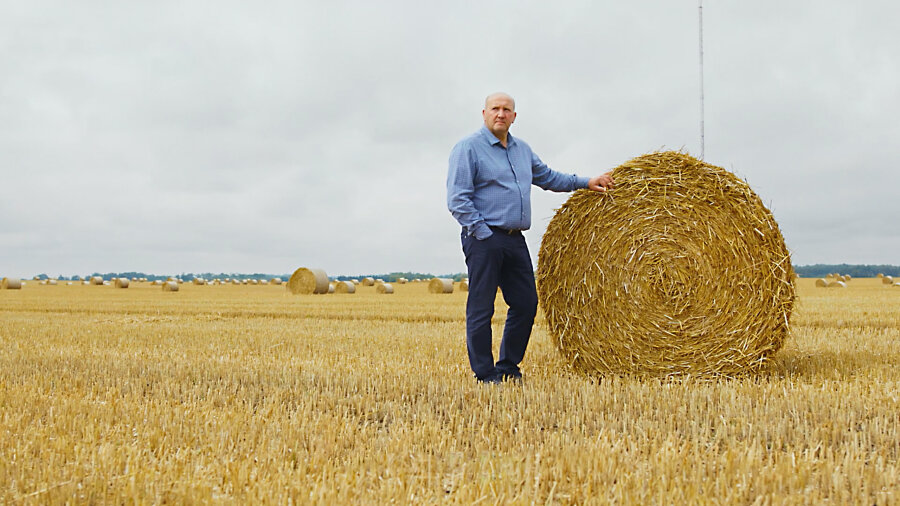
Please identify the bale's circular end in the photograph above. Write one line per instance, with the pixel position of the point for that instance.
(440, 285)
(679, 270)
(308, 281)
(122, 282)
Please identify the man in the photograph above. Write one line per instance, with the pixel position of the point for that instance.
(489, 194)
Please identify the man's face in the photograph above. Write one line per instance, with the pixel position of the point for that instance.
(499, 113)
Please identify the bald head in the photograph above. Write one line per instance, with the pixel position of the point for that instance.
(500, 95)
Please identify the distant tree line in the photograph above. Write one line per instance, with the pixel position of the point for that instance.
(188, 276)
(856, 271)
(394, 276)
(806, 271)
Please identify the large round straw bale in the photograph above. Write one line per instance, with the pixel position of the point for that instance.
(384, 288)
(122, 282)
(11, 284)
(847, 277)
(464, 285)
(96, 280)
(837, 284)
(307, 281)
(440, 285)
(344, 287)
(821, 283)
(887, 280)
(170, 286)
(368, 281)
(679, 270)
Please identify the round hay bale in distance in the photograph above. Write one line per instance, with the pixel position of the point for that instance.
(679, 270)
(122, 282)
(344, 287)
(464, 285)
(821, 283)
(330, 287)
(96, 280)
(887, 280)
(170, 286)
(308, 281)
(11, 284)
(440, 285)
(275, 281)
(837, 284)
(385, 288)
(880, 275)
(368, 281)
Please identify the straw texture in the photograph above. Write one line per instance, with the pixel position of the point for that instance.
(679, 270)
(11, 284)
(440, 285)
(308, 281)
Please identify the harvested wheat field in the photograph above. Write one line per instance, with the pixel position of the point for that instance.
(248, 394)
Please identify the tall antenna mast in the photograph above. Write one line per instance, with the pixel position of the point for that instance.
(702, 134)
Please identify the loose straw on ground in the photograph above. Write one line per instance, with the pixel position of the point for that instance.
(679, 270)
(440, 285)
(308, 281)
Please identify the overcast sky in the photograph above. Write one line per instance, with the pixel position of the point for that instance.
(226, 136)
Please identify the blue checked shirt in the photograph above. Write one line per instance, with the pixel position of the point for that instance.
(489, 185)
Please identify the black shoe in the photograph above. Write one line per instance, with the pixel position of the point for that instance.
(494, 379)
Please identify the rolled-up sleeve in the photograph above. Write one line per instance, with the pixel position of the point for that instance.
(461, 189)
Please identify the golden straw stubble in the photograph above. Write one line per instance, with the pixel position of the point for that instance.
(679, 270)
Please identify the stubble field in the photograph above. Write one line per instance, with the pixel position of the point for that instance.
(247, 394)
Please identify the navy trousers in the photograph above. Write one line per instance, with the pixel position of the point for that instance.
(502, 260)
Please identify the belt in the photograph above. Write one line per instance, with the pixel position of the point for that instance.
(505, 230)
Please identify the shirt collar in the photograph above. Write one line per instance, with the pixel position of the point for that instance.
(492, 139)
